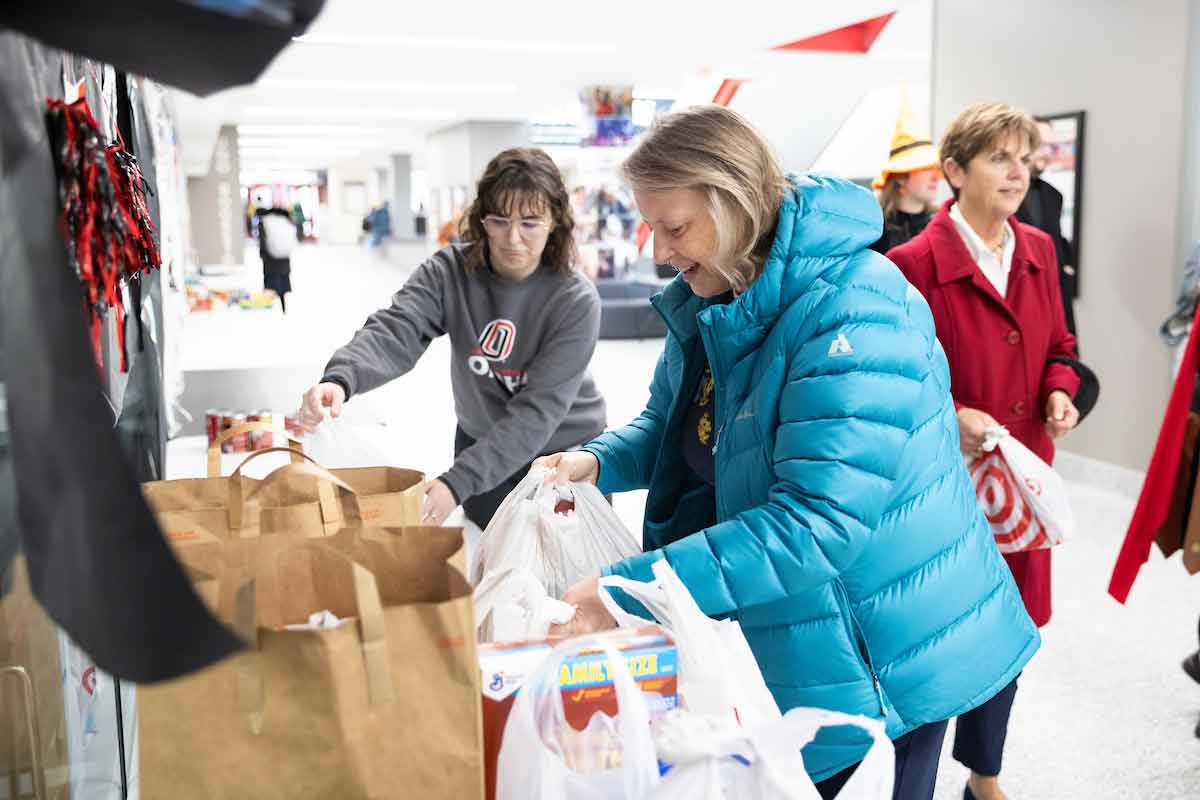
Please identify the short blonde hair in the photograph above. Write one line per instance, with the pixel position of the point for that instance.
(982, 125)
(717, 152)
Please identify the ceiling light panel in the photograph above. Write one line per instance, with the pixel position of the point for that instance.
(368, 112)
(307, 130)
(323, 141)
(375, 87)
(455, 43)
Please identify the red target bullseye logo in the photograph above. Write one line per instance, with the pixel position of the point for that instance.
(1013, 523)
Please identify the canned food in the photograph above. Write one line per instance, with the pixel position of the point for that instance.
(212, 424)
(266, 439)
(241, 442)
(226, 424)
(253, 437)
(291, 424)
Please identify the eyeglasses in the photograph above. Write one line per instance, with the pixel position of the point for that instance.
(500, 226)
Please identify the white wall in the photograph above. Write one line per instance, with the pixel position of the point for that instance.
(1189, 196)
(1125, 63)
(343, 219)
(457, 156)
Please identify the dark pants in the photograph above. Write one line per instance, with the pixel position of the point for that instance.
(917, 756)
(482, 507)
(979, 735)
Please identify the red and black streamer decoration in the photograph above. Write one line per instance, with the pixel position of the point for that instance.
(105, 221)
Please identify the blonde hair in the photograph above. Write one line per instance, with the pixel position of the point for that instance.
(717, 152)
(982, 125)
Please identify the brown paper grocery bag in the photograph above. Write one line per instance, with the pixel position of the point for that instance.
(387, 495)
(199, 510)
(385, 706)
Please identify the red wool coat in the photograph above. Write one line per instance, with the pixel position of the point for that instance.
(1154, 503)
(999, 348)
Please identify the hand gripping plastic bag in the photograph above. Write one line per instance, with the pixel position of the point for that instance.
(764, 763)
(543, 758)
(1022, 497)
(560, 533)
(511, 605)
(718, 674)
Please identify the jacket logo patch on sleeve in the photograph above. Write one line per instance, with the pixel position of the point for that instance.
(840, 346)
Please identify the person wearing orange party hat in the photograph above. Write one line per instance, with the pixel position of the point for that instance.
(908, 185)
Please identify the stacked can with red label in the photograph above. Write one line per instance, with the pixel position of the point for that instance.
(219, 420)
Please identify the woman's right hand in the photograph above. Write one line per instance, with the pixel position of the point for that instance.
(318, 398)
(972, 425)
(577, 466)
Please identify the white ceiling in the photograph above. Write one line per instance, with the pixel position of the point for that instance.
(445, 62)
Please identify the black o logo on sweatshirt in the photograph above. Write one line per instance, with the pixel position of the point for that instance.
(498, 338)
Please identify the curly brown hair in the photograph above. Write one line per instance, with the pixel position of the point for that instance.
(516, 179)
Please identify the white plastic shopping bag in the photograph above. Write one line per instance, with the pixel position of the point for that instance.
(511, 605)
(543, 758)
(764, 763)
(718, 674)
(562, 534)
(280, 235)
(336, 444)
(1022, 496)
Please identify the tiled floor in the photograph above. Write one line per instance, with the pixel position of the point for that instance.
(1104, 710)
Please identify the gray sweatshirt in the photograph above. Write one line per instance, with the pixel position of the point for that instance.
(519, 371)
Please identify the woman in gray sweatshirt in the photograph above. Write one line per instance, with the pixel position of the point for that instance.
(522, 322)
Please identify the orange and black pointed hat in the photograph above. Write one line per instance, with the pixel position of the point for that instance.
(912, 149)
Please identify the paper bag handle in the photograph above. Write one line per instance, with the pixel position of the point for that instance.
(32, 730)
(251, 695)
(297, 455)
(327, 483)
(214, 449)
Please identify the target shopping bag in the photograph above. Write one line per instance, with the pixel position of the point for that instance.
(1022, 496)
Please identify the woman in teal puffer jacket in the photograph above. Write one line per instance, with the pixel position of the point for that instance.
(801, 451)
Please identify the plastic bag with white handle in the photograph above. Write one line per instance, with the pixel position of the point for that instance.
(765, 763)
(543, 758)
(718, 674)
(1023, 498)
(337, 444)
(511, 605)
(560, 533)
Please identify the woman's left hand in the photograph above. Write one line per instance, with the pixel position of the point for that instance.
(590, 613)
(439, 502)
(1061, 414)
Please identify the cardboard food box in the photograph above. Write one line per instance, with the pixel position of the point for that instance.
(583, 678)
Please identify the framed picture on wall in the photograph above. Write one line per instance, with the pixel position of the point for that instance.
(1064, 171)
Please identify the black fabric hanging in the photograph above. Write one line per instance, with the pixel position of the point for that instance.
(97, 561)
(141, 428)
(202, 47)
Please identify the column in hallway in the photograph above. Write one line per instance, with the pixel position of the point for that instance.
(216, 208)
(402, 213)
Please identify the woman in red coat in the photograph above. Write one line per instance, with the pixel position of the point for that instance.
(992, 286)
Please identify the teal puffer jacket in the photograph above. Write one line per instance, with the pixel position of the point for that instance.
(846, 539)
